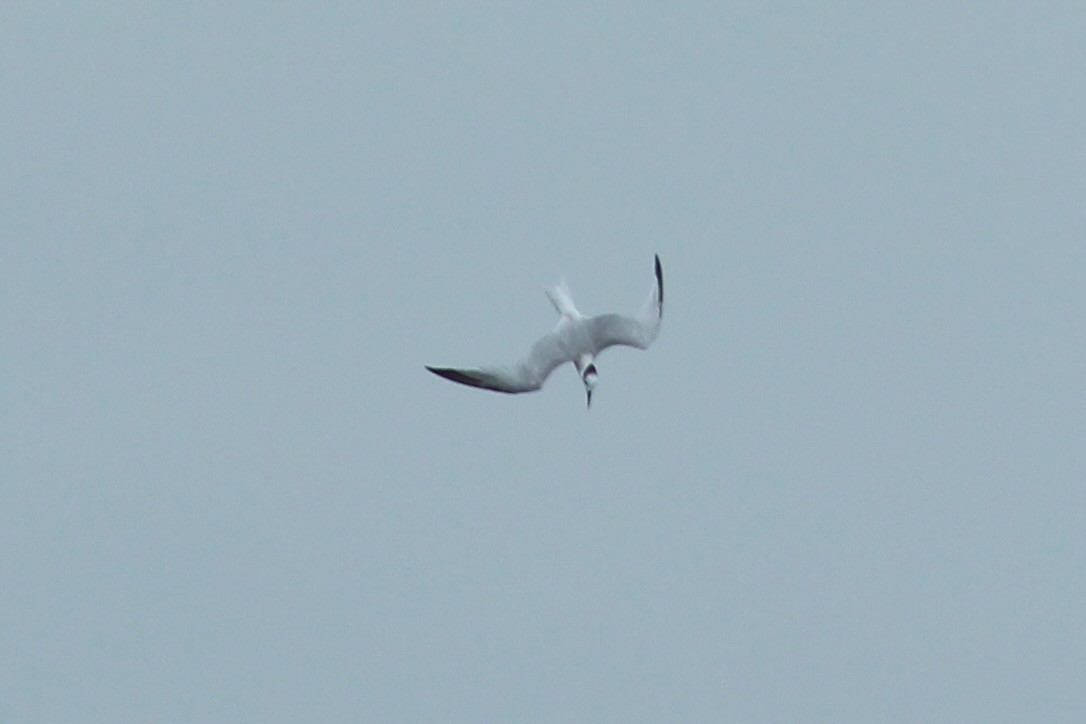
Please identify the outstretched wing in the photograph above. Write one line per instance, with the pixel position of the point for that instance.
(528, 375)
(608, 330)
(496, 379)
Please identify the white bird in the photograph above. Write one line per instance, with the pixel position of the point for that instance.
(577, 339)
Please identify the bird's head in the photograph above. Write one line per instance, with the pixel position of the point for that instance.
(590, 377)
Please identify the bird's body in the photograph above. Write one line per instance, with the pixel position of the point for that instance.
(577, 339)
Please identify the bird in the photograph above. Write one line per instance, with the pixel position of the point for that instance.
(576, 338)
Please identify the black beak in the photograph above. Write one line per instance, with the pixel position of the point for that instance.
(590, 398)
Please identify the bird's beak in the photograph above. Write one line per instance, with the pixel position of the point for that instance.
(590, 398)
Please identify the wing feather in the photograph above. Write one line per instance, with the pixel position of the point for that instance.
(528, 375)
(608, 330)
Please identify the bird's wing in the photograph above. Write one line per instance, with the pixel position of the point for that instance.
(528, 375)
(607, 330)
(498, 379)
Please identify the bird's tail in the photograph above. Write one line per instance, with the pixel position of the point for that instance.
(562, 299)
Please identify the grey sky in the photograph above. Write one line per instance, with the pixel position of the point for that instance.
(846, 484)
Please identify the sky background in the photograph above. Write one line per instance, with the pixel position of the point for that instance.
(847, 483)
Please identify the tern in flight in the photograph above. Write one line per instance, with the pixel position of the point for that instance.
(577, 339)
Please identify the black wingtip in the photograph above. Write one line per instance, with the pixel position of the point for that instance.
(660, 278)
(462, 377)
(453, 374)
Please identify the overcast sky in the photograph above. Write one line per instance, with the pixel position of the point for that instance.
(847, 483)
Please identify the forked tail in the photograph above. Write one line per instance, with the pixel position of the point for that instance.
(562, 299)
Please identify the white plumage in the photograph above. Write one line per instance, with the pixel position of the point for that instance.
(577, 339)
